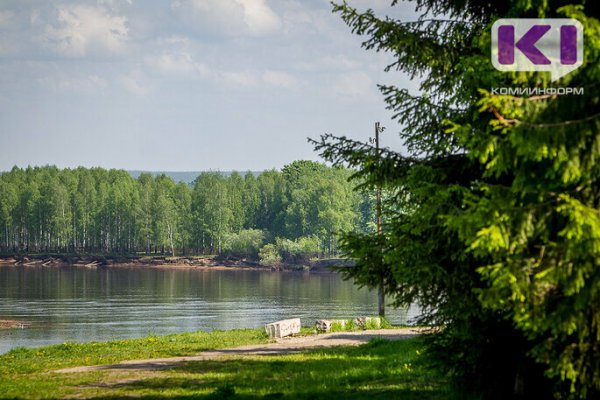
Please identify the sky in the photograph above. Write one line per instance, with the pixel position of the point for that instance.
(186, 85)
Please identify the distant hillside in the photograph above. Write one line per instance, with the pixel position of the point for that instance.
(185, 176)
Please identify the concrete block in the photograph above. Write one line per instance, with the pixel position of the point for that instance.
(323, 325)
(283, 328)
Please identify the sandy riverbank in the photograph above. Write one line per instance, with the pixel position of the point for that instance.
(184, 262)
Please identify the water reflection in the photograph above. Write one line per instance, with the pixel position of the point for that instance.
(79, 304)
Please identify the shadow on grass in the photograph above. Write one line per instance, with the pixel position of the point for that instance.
(378, 370)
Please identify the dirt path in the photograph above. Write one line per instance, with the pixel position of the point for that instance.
(281, 346)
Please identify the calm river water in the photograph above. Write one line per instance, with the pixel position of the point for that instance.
(80, 304)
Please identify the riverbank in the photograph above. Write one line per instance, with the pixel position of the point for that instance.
(381, 368)
(213, 262)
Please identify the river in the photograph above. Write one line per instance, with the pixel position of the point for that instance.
(62, 304)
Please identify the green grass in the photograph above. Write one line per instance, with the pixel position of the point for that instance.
(23, 360)
(349, 325)
(378, 370)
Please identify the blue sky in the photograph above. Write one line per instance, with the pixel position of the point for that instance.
(185, 84)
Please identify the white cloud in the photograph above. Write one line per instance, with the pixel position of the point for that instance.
(9, 33)
(80, 30)
(177, 57)
(280, 79)
(229, 17)
(6, 47)
(34, 18)
(259, 17)
(86, 84)
(7, 19)
(114, 3)
(180, 63)
(354, 85)
(182, 66)
(238, 78)
(135, 83)
(334, 62)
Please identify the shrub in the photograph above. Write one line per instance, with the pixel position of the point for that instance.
(298, 251)
(310, 246)
(246, 243)
(268, 255)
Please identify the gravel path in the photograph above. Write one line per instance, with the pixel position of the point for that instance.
(280, 346)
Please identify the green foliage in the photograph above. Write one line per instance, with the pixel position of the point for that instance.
(210, 208)
(493, 223)
(45, 209)
(250, 201)
(309, 246)
(269, 255)
(349, 325)
(319, 201)
(372, 324)
(299, 251)
(339, 326)
(246, 243)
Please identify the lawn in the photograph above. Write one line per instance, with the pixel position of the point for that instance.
(379, 369)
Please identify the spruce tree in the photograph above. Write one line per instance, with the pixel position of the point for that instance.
(494, 227)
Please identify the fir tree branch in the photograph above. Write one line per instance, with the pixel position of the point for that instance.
(563, 123)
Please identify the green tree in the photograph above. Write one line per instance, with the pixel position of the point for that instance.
(299, 212)
(235, 195)
(334, 203)
(210, 206)
(84, 199)
(271, 192)
(494, 228)
(164, 213)
(182, 198)
(250, 201)
(98, 210)
(8, 202)
(146, 187)
(318, 201)
(123, 203)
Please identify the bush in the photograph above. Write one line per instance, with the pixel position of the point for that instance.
(287, 249)
(268, 255)
(310, 246)
(246, 243)
(298, 251)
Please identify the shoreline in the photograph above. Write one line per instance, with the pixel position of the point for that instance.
(165, 262)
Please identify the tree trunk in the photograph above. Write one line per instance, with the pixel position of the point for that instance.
(170, 235)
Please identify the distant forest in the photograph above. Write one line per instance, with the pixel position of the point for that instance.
(185, 176)
(288, 215)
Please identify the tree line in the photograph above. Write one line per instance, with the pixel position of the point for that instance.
(94, 210)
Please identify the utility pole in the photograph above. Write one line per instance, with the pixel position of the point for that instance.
(380, 292)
